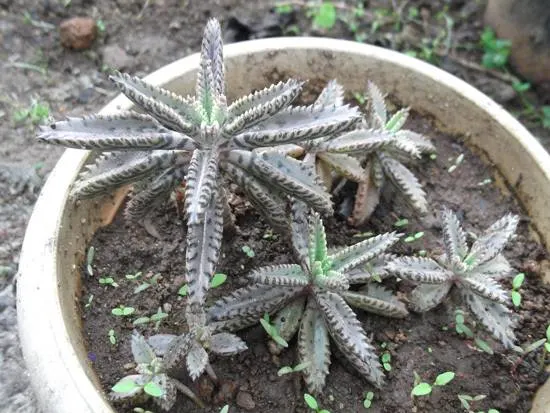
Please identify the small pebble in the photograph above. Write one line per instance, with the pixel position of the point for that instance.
(245, 401)
(78, 32)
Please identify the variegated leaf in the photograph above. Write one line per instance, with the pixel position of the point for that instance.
(124, 131)
(493, 240)
(226, 344)
(197, 360)
(141, 350)
(201, 184)
(496, 317)
(287, 275)
(317, 245)
(267, 201)
(203, 250)
(361, 141)
(487, 287)
(344, 165)
(423, 144)
(262, 97)
(424, 270)
(362, 252)
(497, 268)
(156, 192)
(169, 392)
(160, 343)
(297, 124)
(374, 270)
(331, 95)
(377, 300)
(403, 150)
(212, 49)
(427, 296)
(117, 169)
(406, 182)
(252, 301)
(178, 349)
(397, 120)
(259, 112)
(314, 348)
(454, 237)
(332, 281)
(140, 93)
(285, 174)
(346, 331)
(287, 321)
(377, 106)
(300, 231)
(367, 198)
(138, 379)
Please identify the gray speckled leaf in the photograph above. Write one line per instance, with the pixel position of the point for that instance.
(378, 115)
(362, 252)
(300, 230)
(367, 198)
(487, 287)
(178, 349)
(289, 275)
(374, 270)
(419, 269)
(314, 348)
(201, 184)
(360, 141)
(350, 337)
(497, 268)
(377, 300)
(160, 343)
(197, 360)
(427, 296)
(331, 95)
(169, 392)
(454, 237)
(496, 317)
(423, 144)
(226, 344)
(141, 350)
(344, 165)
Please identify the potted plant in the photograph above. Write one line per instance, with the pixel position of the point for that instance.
(66, 381)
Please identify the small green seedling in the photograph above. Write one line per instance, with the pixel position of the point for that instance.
(141, 410)
(272, 331)
(496, 51)
(248, 251)
(108, 281)
(545, 111)
(424, 389)
(89, 302)
(37, 113)
(313, 405)
(367, 401)
(466, 400)
(112, 337)
(287, 369)
(147, 283)
(401, 223)
(324, 15)
(456, 163)
(101, 27)
(386, 361)
(123, 311)
(217, 280)
(414, 237)
(90, 260)
(225, 409)
(462, 329)
(517, 282)
(128, 385)
(544, 343)
(155, 318)
(133, 276)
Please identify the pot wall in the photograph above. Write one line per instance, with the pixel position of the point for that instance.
(48, 288)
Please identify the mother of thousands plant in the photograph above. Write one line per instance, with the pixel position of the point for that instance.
(202, 139)
(315, 298)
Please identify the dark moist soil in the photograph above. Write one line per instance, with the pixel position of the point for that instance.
(425, 344)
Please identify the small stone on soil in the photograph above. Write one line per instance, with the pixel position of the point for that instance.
(115, 57)
(78, 32)
(244, 400)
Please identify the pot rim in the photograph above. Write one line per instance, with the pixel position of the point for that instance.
(57, 375)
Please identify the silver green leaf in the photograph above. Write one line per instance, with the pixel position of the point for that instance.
(160, 343)
(201, 184)
(169, 392)
(226, 344)
(331, 95)
(427, 296)
(300, 231)
(497, 268)
(314, 348)
(376, 300)
(487, 287)
(141, 350)
(419, 269)
(178, 348)
(196, 360)
(290, 275)
(378, 116)
(454, 237)
(349, 336)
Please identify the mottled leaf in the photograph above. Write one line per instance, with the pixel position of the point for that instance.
(454, 237)
(289, 275)
(419, 269)
(376, 300)
(160, 343)
(197, 360)
(226, 344)
(201, 184)
(377, 106)
(178, 349)
(427, 296)
(141, 350)
(493, 240)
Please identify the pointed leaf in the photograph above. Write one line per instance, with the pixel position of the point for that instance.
(362, 252)
(397, 120)
(377, 106)
(300, 230)
(376, 300)
(314, 348)
(486, 287)
(350, 337)
(288, 275)
(497, 268)
(142, 352)
(344, 165)
(153, 389)
(197, 360)
(374, 270)
(178, 349)
(367, 198)
(160, 343)
(226, 344)
(127, 387)
(360, 142)
(317, 245)
(454, 237)
(406, 182)
(423, 144)
(494, 316)
(124, 131)
(428, 296)
(419, 269)
(168, 397)
(493, 240)
(212, 48)
(200, 184)
(331, 95)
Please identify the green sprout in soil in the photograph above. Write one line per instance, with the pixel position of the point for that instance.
(517, 282)
(288, 369)
(217, 280)
(403, 222)
(367, 401)
(273, 331)
(108, 281)
(112, 337)
(543, 343)
(37, 113)
(155, 318)
(495, 51)
(467, 401)
(90, 260)
(225, 409)
(123, 311)
(424, 389)
(89, 302)
(414, 237)
(386, 360)
(141, 410)
(146, 282)
(312, 403)
(462, 329)
(456, 163)
(248, 251)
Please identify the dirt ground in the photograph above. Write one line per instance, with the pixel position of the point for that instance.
(140, 36)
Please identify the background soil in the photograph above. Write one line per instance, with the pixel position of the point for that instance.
(140, 36)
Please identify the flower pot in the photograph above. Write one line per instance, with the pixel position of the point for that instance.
(54, 247)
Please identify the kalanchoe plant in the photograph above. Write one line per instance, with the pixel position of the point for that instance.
(314, 298)
(385, 161)
(201, 139)
(152, 379)
(475, 271)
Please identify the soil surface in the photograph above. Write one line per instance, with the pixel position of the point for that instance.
(425, 344)
(139, 36)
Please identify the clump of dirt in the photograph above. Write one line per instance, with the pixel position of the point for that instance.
(425, 344)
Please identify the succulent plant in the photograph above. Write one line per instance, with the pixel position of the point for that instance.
(315, 298)
(201, 140)
(475, 271)
(385, 161)
(151, 380)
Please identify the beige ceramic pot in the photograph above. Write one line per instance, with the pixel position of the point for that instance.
(53, 251)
